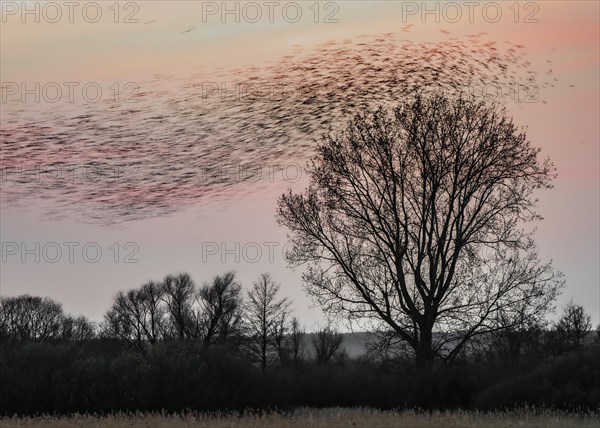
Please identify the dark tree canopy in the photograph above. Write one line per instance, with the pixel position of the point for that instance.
(573, 326)
(137, 316)
(31, 318)
(179, 296)
(176, 309)
(220, 314)
(415, 219)
(326, 342)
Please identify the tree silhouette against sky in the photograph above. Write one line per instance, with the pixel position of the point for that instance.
(415, 219)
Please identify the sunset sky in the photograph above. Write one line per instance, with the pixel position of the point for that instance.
(560, 39)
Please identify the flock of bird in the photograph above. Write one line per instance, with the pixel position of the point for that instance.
(184, 138)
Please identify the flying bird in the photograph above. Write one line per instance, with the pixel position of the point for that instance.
(176, 136)
(188, 30)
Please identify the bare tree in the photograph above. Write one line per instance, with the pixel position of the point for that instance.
(415, 220)
(287, 338)
(221, 315)
(281, 338)
(573, 326)
(179, 295)
(174, 308)
(326, 342)
(515, 337)
(33, 318)
(297, 334)
(137, 316)
(30, 318)
(77, 329)
(264, 313)
(121, 321)
(153, 314)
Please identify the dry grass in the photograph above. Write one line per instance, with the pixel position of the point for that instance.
(309, 418)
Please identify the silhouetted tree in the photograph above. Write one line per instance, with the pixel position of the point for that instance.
(30, 318)
(78, 329)
(264, 312)
(153, 314)
(415, 220)
(221, 309)
(137, 316)
(297, 334)
(106, 377)
(326, 342)
(517, 336)
(281, 338)
(573, 326)
(179, 296)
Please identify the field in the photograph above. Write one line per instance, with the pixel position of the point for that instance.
(313, 418)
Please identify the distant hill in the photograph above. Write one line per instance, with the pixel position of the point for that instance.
(353, 343)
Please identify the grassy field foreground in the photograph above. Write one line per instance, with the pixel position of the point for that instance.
(332, 417)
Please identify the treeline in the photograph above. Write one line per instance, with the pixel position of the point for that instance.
(174, 345)
(175, 309)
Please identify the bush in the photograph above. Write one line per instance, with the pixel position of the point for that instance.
(105, 376)
(567, 382)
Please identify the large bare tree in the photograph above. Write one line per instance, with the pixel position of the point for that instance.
(416, 219)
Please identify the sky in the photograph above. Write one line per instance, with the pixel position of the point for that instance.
(138, 41)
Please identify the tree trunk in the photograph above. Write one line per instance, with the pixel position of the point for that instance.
(263, 361)
(424, 360)
(424, 352)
